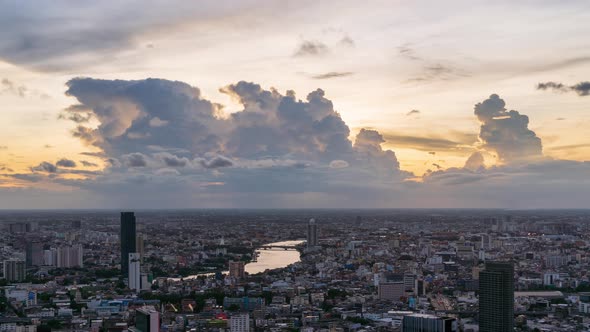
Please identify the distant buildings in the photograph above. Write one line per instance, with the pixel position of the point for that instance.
(312, 234)
(128, 237)
(392, 290)
(428, 323)
(69, 256)
(140, 246)
(496, 297)
(236, 269)
(240, 323)
(134, 272)
(34, 254)
(14, 270)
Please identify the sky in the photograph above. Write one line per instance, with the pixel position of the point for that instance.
(294, 104)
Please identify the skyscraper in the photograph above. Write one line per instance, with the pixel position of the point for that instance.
(127, 239)
(34, 254)
(147, 319)
(312, 234)
(14, 270)
(496, 297)
(140, 246)
(134, 272)
(428, 323)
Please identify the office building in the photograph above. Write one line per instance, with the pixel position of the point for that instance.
(140, 246)
(34, 254)
(14, 270)
(134, 272)
(428, 323)
(239, 323)
(236, 269)
(69, 256)
(496, 297)
(312, 234)
(128, 237)
(147, 319)
(391, 290)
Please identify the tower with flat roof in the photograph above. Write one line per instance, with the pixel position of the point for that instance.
(496, 297)
(128, 237)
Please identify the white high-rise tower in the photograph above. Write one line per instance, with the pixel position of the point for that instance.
(134, 272)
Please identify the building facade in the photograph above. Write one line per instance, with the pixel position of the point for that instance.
(496, 297)
(128, 237)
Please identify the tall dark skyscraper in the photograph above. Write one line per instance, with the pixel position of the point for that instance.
(312, 234)
(127, 239)
(496, 297)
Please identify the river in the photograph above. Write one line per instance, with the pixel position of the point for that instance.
(267, 259)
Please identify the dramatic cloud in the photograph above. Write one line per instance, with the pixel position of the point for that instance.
(66, 163)
(332, 74)
(506, 132)
(475, 162)
(582, 88)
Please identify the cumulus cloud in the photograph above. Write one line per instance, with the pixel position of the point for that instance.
(66, 163)
(582, 88)
(506, 132)
(45, 167)
(135, 159)
(475, 162)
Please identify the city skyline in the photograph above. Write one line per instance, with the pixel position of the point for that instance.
(294, 105)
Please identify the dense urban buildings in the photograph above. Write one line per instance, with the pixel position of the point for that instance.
(224, 270)
(128, 237)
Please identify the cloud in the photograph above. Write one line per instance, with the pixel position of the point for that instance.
(10, 87)
(3, 147)
(311, 48)
(339, 164)
(413, 112)
(66, 163)
(216, 162)
(134, 160)
(157, 122)
(347, 41)
(582, 88)
(475, 162)
(506, 132)
(428, 144)
(171, 160)
(332, 74)
(45, 167)
(88, 164)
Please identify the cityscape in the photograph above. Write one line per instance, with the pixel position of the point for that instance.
(294, 166)
(290, 270)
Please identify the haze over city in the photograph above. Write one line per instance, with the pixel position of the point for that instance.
(294, 104)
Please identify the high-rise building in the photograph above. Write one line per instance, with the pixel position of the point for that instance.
(428, 323)
(147, 320)
(496, 297)
(34, 254)
(236, 269)
(127, 239)
(312, 234)
(239, 323)
(69, 256)
(140, 246)
(134, 272)
(14, 270)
